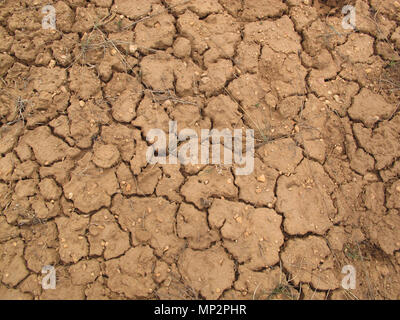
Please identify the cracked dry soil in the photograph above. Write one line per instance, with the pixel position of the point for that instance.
(76, 191)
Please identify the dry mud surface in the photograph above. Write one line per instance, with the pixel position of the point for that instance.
(76, 191)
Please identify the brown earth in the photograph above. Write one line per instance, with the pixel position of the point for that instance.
(76, 191)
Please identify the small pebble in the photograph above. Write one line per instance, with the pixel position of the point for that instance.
(133, 48)
(261, 178)
(337, 98)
